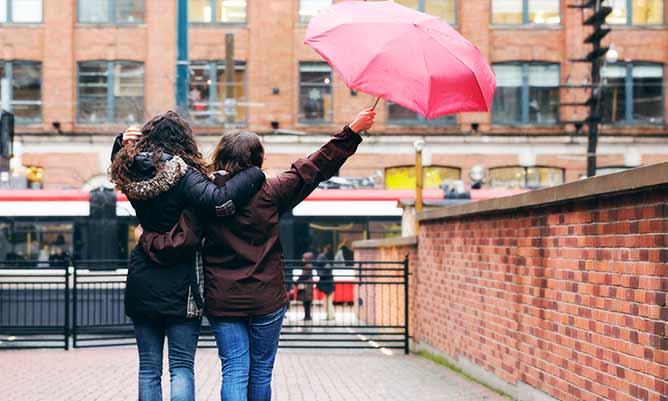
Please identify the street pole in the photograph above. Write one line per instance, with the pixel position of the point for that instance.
(419, 144)
(599, 31)
(229, 104)
(182, 58)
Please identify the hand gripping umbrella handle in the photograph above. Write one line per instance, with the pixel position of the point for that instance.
(366, 133)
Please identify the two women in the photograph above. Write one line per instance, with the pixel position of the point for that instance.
(244, 286)
(162, 173)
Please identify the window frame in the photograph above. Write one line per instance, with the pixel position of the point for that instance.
(422, 6)
(300, 20)
(324, 121)
(525, 114)
(628, 83)
(221, 23)
(213, 68)
(111, 81)
(420, 120)
(629, 17)
(10, 15)
(525, 17)
(9, 72)
(112, 16)
(526, 173)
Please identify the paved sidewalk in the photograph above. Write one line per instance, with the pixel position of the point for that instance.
(109, 374)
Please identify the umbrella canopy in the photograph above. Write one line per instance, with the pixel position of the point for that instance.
(402, 55)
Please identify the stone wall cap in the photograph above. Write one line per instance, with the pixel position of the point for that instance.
(633, 179)
(386, 242)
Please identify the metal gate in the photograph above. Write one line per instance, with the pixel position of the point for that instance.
(365, 306)
(34, 305)
(98, 310)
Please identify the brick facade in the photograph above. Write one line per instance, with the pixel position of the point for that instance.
(568, 299)
(271, 45)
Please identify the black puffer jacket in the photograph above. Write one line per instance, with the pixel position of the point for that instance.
(158, 197)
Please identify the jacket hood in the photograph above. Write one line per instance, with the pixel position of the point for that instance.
(154, 181)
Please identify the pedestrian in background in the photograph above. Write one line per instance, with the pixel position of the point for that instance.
(305, 285)
(326, 283)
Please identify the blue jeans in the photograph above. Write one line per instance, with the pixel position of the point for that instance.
(247, 349)
(182, 336)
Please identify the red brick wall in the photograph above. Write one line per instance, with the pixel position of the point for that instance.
(384, 304)
(569, 299)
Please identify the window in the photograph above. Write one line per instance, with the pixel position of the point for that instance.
(402, 116)
(515, 177)
(633, 94)
(309, 8)
(445, 9)
(48, 243)
(403, 177)
(217, 11)
(315, 92)
(526, 93)
(209, 93)
(21, 11)
(635, 12)
(111, 92)
(111, 11)
(517, 12)
(25, 90)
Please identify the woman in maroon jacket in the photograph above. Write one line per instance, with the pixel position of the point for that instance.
(245, 293)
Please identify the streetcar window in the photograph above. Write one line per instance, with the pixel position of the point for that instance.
(48, 243)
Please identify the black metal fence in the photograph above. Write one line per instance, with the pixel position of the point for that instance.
(333, 304)
(34, 305)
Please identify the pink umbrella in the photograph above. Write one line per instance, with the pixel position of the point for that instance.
(402, 55)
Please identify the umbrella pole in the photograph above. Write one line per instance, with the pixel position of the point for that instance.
(366, 133)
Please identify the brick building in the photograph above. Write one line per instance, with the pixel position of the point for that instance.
(79, 71)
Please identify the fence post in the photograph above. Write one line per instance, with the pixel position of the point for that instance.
(74, 307)
(406, 306)
(67, 306)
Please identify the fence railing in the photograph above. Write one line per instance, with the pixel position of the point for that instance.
(333, 304)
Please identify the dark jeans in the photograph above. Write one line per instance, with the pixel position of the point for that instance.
(247, 349)
(182, 336)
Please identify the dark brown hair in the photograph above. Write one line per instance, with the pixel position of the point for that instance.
(164, 133)
(236, 151)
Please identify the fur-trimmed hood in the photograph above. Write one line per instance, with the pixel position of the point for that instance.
(154, 181)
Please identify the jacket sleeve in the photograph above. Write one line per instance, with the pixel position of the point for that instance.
(176, 245)
(118, 145)
(291, 187)
(207, 197)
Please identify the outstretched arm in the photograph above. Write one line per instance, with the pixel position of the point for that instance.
(293, 186)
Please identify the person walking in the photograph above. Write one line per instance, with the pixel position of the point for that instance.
(161, 171)
(305, 285)
(326, 283)
(245, 292)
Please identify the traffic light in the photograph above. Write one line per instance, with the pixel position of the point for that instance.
(600, 30)
(6, 135)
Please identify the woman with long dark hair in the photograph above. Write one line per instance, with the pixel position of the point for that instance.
(162, 173)
(245, 293)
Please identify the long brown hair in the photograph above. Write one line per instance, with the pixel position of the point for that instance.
(164, 133)
(236, 151)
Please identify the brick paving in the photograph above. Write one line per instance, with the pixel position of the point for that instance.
(106, 374)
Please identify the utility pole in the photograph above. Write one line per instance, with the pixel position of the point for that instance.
(6, 146)
(595, 57)
(182, 58)
(229, 105)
